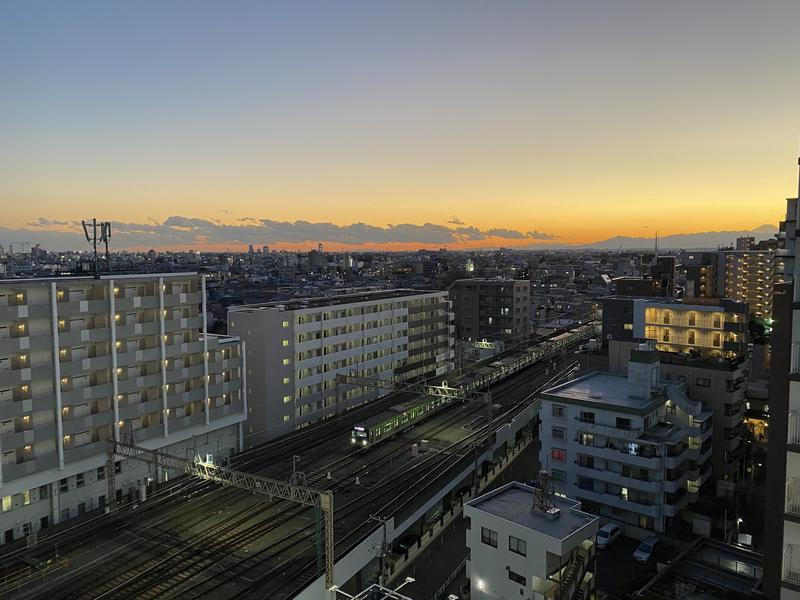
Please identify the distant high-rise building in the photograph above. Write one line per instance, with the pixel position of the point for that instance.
(264, 250)
(745, 242)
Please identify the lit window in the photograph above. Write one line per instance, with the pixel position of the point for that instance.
(558, 454)
(6, 503)
(286, 361)
(628, 326)
(285, 343)
(285, 380)
(287, 399)
(285, 418)
(285, 324)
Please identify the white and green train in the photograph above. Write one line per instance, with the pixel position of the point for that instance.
(398, 418)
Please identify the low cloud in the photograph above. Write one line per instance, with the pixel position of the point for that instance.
(539, 235)
(456, 221)
(44, 222)
(184, 231)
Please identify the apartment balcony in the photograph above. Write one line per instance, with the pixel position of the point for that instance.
(793, 433)
(147, 433)
(643, 485)
(29, 467)
(13, 312)
(97, 448)
(644, 507)
(234, 408)
(185, 422)
(607, 430)
(11, 345)
(791, 564)
(619, 455)
(146, 328)
(14, 377)
(792, 505)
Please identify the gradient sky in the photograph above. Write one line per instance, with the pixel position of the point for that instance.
(579, 120)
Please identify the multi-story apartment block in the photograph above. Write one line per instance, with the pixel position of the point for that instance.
(749, 276)
(519, 548)
(492, 309)
(782, 510)
(87, 360)
(632, 448)
(297, 348)
(715, 328)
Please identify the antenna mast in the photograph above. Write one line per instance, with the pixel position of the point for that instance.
(93, 235)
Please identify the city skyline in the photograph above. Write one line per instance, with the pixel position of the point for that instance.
(418, 115)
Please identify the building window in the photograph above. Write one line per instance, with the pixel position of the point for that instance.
(587, 417)
(623, 423)
(558, 433)
(517, 545)
(6, 503)
(628, 326)
(287, 399)
(79, 480)
(285, 324)
(285, 418)
(516, 577)
(285, 380)
(586, 439)
(286, 361)
(489, 537)
(558, 454)
(558, 476)
(63, 485)
(702, 382)
(558, 411)
(285, 343)
(101, 473)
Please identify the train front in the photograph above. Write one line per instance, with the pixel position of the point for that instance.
(359, 436)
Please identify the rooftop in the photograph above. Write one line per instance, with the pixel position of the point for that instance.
(605, 389)
(514, 501)
(302, 303)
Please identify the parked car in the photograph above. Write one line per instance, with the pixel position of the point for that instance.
(646, 549)
(607, 535)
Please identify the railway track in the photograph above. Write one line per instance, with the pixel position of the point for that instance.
(207, 563)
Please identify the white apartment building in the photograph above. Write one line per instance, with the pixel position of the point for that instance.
(519, 550)
(296, 348)
(787, 326)
(634, 448)
(84, 360)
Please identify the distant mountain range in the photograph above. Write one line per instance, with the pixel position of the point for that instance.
(708, 240)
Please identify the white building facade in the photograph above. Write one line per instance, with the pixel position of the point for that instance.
(634, 449)
(520, 551)
(86, 360)
(297, 348)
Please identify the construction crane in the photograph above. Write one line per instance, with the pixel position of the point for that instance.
(322, 501)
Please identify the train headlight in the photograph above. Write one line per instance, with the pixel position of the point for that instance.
(353, 440)
(363, 442)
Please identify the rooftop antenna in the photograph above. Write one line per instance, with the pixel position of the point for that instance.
(544, 496)
(96, 234)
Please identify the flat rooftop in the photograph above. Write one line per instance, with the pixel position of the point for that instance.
(302, 303)
(514, 501)
(604, 389)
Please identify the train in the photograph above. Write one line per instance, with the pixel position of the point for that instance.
(400, 417)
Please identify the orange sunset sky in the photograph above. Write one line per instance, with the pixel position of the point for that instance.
(559, 122)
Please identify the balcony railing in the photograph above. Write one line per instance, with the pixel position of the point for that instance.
(793, 436)
(793, 496)
(791, 564)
